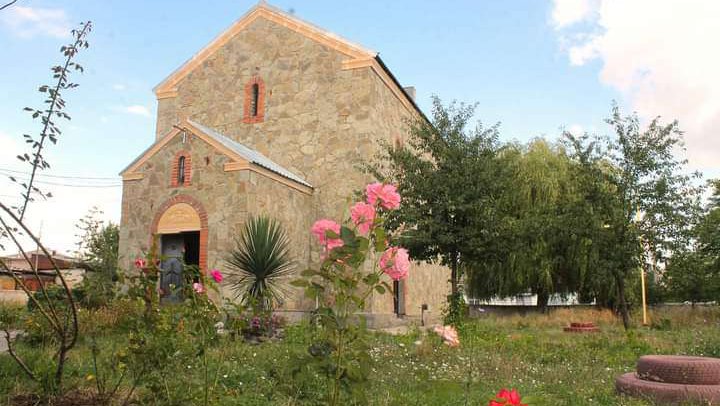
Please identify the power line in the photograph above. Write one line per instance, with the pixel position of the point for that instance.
(87, 185)
(58, 176)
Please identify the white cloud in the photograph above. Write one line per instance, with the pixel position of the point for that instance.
(119, 87)
(567, 12)
(137, 109)
(660, 55)
(27, 22)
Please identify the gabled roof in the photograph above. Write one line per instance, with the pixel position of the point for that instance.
(242, 157)
(358, 56)
(250, 155)
(263, 10)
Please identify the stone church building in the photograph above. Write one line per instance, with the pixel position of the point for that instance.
(271, 118)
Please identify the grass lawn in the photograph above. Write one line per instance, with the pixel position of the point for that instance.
(529, 353)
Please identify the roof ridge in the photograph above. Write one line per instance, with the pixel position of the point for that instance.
(354, 50)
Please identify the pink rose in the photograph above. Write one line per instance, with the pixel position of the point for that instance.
(448, 334)
(320, 229)
(363, 215)
(198, 287)
(387, 195)
(139, 263)
(395, 262)
(216, 275)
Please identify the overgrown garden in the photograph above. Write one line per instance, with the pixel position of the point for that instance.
(583, 215)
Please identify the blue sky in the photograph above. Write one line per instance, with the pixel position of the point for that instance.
(515, 59)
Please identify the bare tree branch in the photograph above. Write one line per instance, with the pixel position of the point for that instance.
(17, 359)
(8, 5)
(56, 104)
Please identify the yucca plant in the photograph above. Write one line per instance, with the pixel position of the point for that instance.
(260, 263)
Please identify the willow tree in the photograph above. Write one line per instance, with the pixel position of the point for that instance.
(537, 247)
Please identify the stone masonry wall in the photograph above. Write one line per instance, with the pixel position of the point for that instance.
(225, 196)
(319, 122)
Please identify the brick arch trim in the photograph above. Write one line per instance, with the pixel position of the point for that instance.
(175, 169)
(248, 118)
(200, 209)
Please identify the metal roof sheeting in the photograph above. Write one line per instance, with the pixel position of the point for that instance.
(249, 154)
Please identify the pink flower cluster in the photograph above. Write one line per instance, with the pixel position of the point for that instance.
(363, 216)
(395, 262)
(216, 275)
(385, 195)
(320, 229)
(507, 398)
(448, 334)
(139, 263)
(199, 288)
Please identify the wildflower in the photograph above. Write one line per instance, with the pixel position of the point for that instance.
(216, 275)
(320, 229)
(363, 215)
(449, 336)
(198, 287)
(507, 398)
(395, 262)
(139, 263)
(387, 195)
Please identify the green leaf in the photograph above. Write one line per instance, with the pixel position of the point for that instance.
(380, 240)
(308, 273)
(380, 289)
(300, 283)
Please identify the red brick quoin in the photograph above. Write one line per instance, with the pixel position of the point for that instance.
(176, 169)
(254, 110)
(203, 223)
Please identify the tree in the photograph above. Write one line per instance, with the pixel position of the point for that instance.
(693, 274)
(447, 176)
(537, 246)
(62, 319)
(708, 230)
(641, 202)
(98, 245)
(98, 252)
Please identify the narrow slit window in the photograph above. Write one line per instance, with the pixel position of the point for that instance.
(255, 99)
(181, 171)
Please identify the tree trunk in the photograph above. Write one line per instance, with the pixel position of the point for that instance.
(454, 275)
(622, 302)
(543, 298)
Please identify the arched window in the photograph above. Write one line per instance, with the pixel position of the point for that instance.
(181, 171)
(254, 106)
(254, 103)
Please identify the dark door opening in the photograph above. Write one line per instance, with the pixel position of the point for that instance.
(399, 298)
(178, 250)
(192, 247)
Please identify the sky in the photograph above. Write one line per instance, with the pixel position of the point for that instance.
(536, 67)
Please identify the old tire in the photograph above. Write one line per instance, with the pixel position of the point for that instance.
(672, 393)
(679, 369)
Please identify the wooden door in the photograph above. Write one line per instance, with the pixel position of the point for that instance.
(171, 274)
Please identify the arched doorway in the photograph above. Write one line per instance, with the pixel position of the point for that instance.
(181, 228)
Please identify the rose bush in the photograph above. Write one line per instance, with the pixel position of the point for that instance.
(343, 284)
